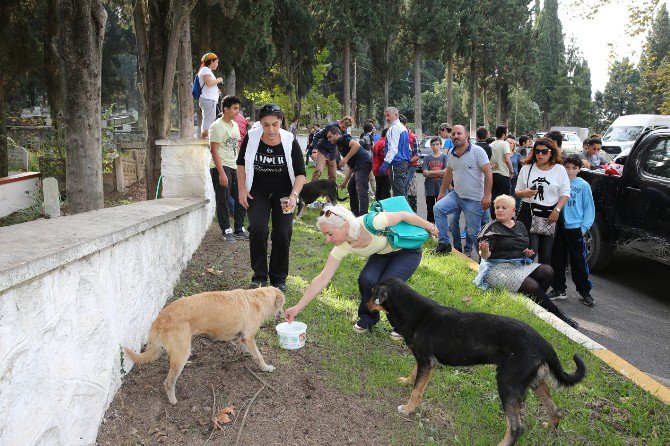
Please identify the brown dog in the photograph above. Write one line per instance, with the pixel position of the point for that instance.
(222, 315)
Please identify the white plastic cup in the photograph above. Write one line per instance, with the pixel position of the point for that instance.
(292, 336)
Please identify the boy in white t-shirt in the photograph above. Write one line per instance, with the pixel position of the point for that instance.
(223, 136)
(210, 91)
(501, 165)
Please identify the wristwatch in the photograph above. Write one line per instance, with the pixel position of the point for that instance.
(558, 210)
(295, 193)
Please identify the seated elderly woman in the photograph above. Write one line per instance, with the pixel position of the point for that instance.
(350, 236)
(503, 246)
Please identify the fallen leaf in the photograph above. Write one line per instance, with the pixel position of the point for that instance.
(467, 300)
(213, 271)
(222, 415)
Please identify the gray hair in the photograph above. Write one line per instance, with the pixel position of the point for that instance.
(336, 218)
(392, 110)
(506, 199)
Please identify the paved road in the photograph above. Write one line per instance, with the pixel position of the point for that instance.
(631, 316)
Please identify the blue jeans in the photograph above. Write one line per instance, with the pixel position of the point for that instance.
(398, 264)
(452, 204)
(457, 234)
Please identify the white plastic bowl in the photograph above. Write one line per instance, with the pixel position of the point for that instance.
(292, 336)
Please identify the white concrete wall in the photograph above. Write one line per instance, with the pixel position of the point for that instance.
(18, 195)
(76, 288)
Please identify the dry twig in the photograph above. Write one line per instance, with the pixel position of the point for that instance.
(264, 382)
(246, 412)
(216, 423)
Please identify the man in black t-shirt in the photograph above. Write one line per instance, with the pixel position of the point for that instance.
(326, 152)
(360, 166)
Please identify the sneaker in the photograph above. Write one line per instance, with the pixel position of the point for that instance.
(257, 283)
(394, 335)
(443, 248)
(228, 236)
(586, 299)
(557, 295)
(359, 329)
(241, 235)
(571, 322)
(281, 286)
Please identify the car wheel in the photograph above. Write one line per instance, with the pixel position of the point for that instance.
(598, 249)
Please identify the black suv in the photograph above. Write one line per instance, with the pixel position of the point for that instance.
(633, 210)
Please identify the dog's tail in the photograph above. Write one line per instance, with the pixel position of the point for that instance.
(151, 353)
(567, 379)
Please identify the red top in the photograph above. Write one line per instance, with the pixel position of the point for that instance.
(242, 124)
(378, 152)
(413, 149)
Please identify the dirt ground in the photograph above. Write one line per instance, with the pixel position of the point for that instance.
(304, 410)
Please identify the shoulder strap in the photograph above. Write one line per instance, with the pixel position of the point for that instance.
(375, 207)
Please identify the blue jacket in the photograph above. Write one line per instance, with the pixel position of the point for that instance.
(579, 211)
(397, 144)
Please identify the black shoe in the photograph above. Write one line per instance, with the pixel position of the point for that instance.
(458, 249)
(281, 286)
(257, 283)
(241, 235)
(562, 316)
(586, 299)
(443, 248)
(557, 295)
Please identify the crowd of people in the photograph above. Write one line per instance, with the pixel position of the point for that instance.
(526, 211)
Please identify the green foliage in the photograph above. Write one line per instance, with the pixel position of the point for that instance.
(550, 68)
(620, 95)
(654, 92)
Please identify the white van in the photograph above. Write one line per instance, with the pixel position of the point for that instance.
(620, 136)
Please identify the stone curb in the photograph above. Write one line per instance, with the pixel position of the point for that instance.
(610, 358)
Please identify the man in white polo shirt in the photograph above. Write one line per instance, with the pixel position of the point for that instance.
(468, 166)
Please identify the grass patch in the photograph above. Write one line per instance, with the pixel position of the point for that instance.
(605, 409)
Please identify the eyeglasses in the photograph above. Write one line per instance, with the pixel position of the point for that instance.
(327, 213)
(542, 151)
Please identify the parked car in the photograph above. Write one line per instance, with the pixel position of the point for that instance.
(424, 150)
(620, 136)
(571, 143)
(633, 210)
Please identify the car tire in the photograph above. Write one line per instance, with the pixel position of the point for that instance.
(598, 249)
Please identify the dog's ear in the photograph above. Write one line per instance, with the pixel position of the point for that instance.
(380, 294)
(279, 299)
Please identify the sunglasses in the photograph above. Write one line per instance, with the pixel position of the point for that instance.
(542, 151)
(327, 213)
(270, 109)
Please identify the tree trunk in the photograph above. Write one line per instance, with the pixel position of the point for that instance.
(387, 69)
(498, 104)
(417, 94)
(504, 103)
(450, 88)
(4, 154)
(354, 99)
(185, 77)
(346, 77)
(52, 75)
(81, 35)
(140, 27)
(231, 81)
(485, 107)
(473, 96)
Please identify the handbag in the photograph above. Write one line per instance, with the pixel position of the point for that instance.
(401, 235)
(525, 214)
(540, 225)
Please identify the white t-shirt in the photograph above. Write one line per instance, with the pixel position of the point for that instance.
(551, 184)
(207, 91)
(499, 149)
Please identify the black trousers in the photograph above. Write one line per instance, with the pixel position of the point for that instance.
(222, 193)
(358, 190)
(261, 208)
(383, 187)
(430, 202)
(501, 186)
(569, 245)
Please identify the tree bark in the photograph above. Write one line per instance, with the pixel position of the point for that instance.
(140, 27)
(498, 104)
(52, 75)
(450, 88)
(185, 77)
(485, 107)
(417, 94)
(346, 77)
(81, 35)
(504, 103)
(473, 96)
(4, 154)
(231, 82)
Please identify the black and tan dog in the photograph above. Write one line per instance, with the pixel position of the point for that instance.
(315, 189)
(436, 333)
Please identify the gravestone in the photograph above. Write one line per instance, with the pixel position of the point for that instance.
(104, 123)
(125, 128)
(25, 113)
(51, 197)
(17, 155)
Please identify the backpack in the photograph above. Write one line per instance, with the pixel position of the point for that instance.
(401, 235)
(196, 89)
(366, 142)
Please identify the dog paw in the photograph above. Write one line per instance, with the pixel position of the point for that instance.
(268, 368)
(172, 399)
(403, 410)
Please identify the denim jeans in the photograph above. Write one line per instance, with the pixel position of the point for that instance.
(456, 233)
(452, 204)
(398, 264)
